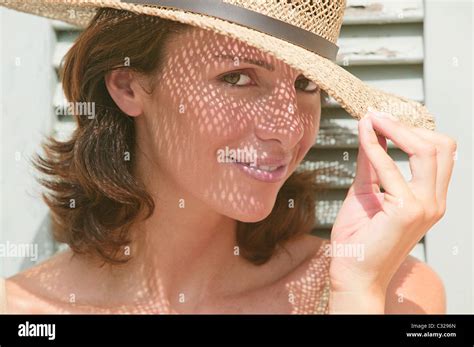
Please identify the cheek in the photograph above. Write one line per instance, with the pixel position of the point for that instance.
(187, 129)
(310, 124)
(222, 116)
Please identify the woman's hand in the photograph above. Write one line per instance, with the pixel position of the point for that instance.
(382, 228)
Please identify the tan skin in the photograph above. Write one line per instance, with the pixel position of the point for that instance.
(186, 262)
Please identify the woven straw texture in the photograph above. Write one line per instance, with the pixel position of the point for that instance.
(323, 17)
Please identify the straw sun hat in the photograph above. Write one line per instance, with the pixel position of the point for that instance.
(301, 33)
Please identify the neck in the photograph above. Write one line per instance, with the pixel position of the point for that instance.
(182, 256)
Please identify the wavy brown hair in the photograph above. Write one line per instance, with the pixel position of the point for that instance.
(92, 193)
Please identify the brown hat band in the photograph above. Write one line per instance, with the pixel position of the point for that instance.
(254, 20)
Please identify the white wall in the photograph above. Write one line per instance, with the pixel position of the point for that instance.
(25, 115)
(449, 95)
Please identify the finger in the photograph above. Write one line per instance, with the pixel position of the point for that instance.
(387, 171)
(421, 154)
(366, 179)
(446, 148)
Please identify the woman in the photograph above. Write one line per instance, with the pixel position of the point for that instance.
(164, 215)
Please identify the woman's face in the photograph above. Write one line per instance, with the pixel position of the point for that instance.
(220, 107)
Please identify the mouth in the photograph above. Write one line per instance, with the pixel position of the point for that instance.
(269, 170)
(265, 168)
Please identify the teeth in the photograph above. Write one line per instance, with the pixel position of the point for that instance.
(267, 168)
(256, 167)
(262, 167)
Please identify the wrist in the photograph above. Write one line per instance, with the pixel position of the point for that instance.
(370, 301)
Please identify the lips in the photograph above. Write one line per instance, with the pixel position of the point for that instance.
(268, 168)
(273, 175)
(268, 164)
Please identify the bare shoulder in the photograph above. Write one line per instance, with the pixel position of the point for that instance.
(315, 268)
(306, 254)
(305, 286)
(306, 249)
(415, 289)
(36, 289)
(314, 249)
(317, 248)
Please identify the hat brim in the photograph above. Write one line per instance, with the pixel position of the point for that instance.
(352, 94)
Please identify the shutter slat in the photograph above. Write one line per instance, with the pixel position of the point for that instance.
(340, 133)
(338, 166)
(381, 45)
(403, 80)
(383, 11)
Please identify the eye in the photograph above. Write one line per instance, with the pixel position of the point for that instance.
(234, 79)
(306, 85)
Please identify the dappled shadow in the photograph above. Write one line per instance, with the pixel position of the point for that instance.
(191, 118)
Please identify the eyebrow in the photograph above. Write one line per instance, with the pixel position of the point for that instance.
(261, 63)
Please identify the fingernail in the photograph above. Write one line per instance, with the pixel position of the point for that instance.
(368, 128)
(366, 122)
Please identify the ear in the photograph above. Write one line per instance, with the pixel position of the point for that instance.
(125, 90)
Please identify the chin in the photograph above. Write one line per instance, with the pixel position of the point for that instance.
(253, 214)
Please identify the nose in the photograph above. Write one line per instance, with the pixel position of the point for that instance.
(279, 118)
